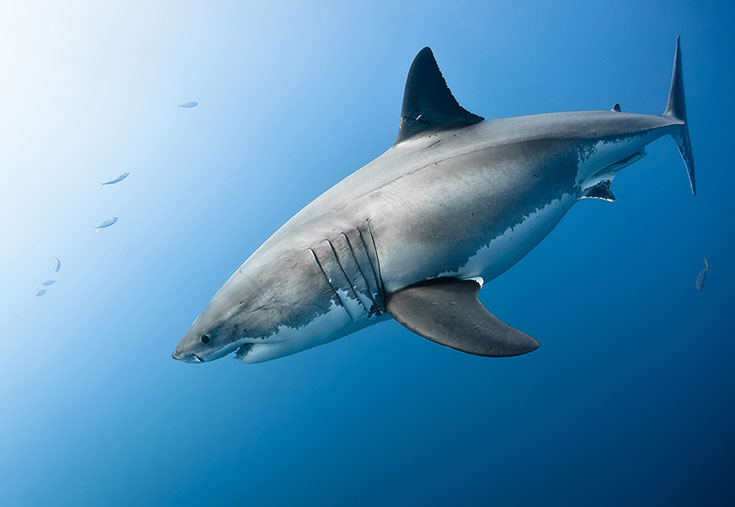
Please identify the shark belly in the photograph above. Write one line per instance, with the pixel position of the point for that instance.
(515, 242)
(474, 214)
(332, 324)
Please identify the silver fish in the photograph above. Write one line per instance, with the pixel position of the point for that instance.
(702, 276)
(189, 105)
(48, 283)
(58, 265)
(107, 223)
(41, 292)
(116, 180)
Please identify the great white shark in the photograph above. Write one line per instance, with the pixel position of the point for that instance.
(413, 235)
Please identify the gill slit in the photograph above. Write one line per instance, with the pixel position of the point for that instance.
(324, 273)
(362, 273)
(377, 260)
(349, 281)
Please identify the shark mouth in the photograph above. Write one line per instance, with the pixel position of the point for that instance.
(243, 350)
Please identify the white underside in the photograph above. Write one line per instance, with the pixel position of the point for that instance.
(509, 247)
(338, 321)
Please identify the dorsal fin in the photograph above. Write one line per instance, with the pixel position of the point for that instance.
(428, 105)
(616, 108)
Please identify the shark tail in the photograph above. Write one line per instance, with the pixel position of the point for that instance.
(676, 109)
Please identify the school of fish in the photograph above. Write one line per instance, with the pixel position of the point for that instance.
(106, 223)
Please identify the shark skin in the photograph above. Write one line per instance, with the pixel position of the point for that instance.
(457, 198)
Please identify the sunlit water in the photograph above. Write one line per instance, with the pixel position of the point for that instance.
(629, 399)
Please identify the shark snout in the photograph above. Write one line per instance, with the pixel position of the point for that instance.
(187, 357)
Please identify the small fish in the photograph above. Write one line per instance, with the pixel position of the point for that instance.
(702, 277)
(116, 180)
(189, 105)
(41, 292)
(107, 223)
(48, 283)
(58, 264)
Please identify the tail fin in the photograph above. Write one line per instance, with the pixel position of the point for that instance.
(676, 109)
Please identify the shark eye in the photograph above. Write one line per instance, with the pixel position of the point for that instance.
(205, 338)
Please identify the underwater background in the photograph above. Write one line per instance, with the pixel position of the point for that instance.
(630, 399)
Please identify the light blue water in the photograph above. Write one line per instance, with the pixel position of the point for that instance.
(629, 400)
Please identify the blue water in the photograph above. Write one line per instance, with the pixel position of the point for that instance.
(629, 401)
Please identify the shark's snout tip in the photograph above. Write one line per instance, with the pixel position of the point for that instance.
(182, 356)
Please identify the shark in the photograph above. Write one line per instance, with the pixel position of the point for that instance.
(414, 234)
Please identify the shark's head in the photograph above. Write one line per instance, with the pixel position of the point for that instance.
(213, 335)
(270, 307)
(227, 322)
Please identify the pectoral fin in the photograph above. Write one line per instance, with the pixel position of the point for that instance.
(447, 311)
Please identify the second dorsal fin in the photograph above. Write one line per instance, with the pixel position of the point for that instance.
(428, 105)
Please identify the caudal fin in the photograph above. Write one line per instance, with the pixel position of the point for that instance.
(676, 109)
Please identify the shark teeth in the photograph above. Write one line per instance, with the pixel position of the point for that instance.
(243, 350)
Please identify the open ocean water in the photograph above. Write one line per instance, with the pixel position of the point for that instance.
(629, 401)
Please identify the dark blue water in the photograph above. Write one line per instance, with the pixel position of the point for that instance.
(629, 400)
